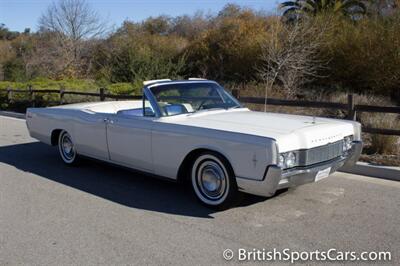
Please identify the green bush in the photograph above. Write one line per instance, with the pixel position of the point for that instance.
(231, 49)
(14, 70)
(45, 83)
(363, 56)
(136, 55)
(123, 88)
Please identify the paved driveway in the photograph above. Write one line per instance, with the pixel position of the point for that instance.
(100, 214)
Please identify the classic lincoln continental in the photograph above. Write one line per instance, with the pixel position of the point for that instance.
(195, 130)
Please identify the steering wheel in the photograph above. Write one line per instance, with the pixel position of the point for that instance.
(202, 104)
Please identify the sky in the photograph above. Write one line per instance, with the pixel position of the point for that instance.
(20, 14)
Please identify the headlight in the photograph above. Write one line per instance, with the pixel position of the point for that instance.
(287, 160)
(281, 162)
(290, 159)
(347, 143)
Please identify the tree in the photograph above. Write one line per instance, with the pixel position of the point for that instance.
(290, 57)
(296, 8)
(230, 48)
(190, 26)
(159, 25)
(6, 34)
(48, 58)
(134, 53)
(74, 19)
(73, 23)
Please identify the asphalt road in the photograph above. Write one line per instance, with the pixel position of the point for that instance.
(100, 214)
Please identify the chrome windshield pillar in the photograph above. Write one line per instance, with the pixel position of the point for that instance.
(147, 94)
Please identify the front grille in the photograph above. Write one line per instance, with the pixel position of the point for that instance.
(320, 154)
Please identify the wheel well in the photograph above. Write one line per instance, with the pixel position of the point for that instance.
(189, 159)
(54, 136)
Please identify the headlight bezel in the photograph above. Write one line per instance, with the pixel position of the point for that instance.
(281, 160)
(347, 143)
(288, 159)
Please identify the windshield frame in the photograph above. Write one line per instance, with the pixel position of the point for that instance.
(147, 90)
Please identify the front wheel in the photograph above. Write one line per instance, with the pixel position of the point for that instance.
(213, 181)
(67, 149)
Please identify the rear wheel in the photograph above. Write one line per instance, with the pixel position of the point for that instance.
(213, 181)
(67, 149)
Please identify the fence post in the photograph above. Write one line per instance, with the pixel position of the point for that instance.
(235, 93)
(62, 96)
(102, 96)
(351, 110)
(31, 96)
(9, 95)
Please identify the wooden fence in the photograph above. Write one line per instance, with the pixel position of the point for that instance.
(350, 107)
(101, 94)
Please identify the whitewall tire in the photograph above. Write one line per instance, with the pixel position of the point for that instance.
(66, 148)
(213, 181)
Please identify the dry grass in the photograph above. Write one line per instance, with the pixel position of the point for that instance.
(381, 144)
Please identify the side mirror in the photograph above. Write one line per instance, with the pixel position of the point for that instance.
(148, 112)
(175, 109)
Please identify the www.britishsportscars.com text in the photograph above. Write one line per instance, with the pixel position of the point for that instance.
(288, 255)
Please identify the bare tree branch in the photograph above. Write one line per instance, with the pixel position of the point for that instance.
(72, 25)
(73, 19)
(290, 55)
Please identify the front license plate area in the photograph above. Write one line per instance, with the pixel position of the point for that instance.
(322, 174)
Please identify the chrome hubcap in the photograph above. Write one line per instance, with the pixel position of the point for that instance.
(211, 180)
(67, 147)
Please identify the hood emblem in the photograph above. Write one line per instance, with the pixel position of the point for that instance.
(330, 138)
(254, 160)
(313, 121)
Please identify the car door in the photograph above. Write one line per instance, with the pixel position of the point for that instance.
(90, 135)
(129, 141)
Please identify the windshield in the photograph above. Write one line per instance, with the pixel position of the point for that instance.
(180, 98)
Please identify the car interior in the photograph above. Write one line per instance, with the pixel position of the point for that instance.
(135, 108)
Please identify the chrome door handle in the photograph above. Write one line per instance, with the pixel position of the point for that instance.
(108, 120)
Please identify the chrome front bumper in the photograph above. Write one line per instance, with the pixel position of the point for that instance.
(275, 178)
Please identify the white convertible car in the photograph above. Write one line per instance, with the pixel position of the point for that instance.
(195, 130)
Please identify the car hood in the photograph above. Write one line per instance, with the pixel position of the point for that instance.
(290, 131)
